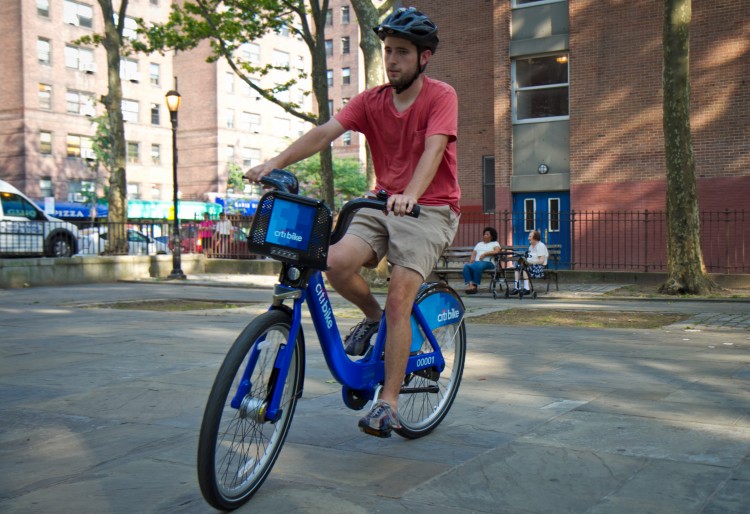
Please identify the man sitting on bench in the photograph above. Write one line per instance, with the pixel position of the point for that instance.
(535, 262)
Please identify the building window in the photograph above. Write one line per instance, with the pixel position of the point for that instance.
(78, 14)
(229, 82)
(346, 76)
(79, 146)
(282, 126)
(42, 8)
(45, 142)
(553, 206)
(488, 183)
(281, 59)
(329, 47)
(155, 74)
(130, 110)
(43, 51)
(129, 70)
(79, 58)
(345, 15)
(156, 154)
(250, 52)
(155, 114)
(80, 190)
(524, 3)
(330, 107)
(250, 157)
(229, 153)
(45, 97)
(45, 187)
(78, 102)
(345, 45)
(329, 18)
(134, 152)
(347, 138)
(250, 122)
(540, 88)
(134, 192)
(229, 118)
(283, 31)
(130, 27)
(529, 214)
(329, 78)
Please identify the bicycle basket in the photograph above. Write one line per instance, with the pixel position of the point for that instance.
(291, 228)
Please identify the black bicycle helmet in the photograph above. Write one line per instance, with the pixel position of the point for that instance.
(410, 24)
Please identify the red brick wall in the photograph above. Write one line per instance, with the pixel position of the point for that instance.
(616, 142)
(616, 137)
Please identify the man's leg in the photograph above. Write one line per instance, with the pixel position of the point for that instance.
(401, 293)
(345, 259)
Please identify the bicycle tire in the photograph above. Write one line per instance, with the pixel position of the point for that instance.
(421, 412)
(236, 451)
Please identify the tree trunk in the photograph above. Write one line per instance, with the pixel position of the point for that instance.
(117, 242)
(368, 16)
(320, 89)
(685, 267)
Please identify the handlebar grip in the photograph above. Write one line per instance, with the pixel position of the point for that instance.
(281, 180)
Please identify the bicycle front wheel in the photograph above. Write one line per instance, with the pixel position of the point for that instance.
(237, 448)
(427, 396)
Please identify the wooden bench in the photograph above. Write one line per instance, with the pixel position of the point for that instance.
(451, 263)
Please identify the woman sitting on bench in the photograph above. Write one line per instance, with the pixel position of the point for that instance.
(535, 262)
(481, 259)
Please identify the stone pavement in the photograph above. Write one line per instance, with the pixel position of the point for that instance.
(100, 409)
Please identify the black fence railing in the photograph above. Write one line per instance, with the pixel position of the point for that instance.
(618, 240)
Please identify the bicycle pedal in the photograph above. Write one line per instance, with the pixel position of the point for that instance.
(377, 433)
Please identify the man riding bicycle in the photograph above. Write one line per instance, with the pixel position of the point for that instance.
(411, 126)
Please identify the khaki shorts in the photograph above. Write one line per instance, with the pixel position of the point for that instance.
(414, 243)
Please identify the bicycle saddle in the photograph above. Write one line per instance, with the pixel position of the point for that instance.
(281, 180)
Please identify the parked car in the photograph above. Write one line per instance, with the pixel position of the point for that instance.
(93, 241)
(25, 229)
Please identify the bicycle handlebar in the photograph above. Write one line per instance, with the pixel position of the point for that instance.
(287, 182)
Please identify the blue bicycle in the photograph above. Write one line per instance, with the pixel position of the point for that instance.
(253, 398)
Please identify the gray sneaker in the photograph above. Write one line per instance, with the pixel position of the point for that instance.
(380, 420)
(359, 336)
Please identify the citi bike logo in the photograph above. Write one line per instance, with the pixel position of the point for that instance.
(324, 305)
(284, 234)
(448, 315)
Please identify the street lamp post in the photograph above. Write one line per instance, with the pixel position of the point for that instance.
(173, 104)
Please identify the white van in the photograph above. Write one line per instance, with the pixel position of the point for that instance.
(25, 229)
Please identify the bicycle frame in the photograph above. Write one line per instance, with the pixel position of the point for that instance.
(363, 375)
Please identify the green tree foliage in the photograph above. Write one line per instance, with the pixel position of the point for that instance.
(348, 178)
(227, 24)
(236, 177)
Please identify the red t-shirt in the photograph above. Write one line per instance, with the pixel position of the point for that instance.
(397, 139)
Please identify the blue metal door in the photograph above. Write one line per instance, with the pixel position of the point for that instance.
(549, 213)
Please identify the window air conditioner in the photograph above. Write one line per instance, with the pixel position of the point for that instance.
(88, 67)
(88, 153)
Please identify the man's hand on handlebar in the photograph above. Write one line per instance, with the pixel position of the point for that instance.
(401, 205)
(255, 173)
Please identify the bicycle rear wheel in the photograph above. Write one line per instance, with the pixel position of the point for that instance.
(237, 448)
(427, 396)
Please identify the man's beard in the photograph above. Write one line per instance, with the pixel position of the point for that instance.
(403, 83)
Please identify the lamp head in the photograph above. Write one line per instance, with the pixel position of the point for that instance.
(173, 100)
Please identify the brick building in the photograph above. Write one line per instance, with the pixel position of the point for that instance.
(561, 105)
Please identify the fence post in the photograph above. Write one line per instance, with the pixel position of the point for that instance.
(572, 239)
(645, 241)
(726, 241)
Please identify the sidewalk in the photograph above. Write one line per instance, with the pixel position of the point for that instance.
(100, 409)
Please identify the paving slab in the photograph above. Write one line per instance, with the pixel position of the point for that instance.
(100, 408)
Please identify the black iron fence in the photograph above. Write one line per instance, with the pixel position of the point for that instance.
(618, 240)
